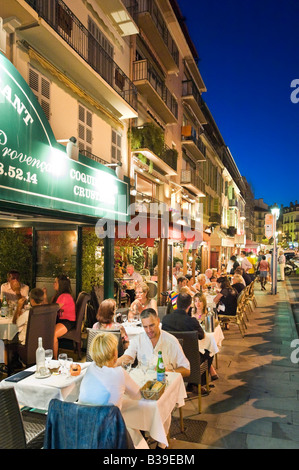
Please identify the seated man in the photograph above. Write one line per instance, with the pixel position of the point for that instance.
(20, 318)
(173, 295)
(179, 320)
(147, 345)
(133, 279)
(13, 289)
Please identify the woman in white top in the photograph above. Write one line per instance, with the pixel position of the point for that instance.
(142, 301)
(103, 383)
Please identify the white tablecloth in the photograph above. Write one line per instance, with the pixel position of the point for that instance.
(8, 330)
(151, 415)
(212, 341)
(37, 393)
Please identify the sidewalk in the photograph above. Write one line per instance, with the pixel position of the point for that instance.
(254, 404)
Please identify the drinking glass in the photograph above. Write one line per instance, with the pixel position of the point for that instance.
(124, 317)
(127, 366)
(68, 365)
(62, 358)
(48, 357)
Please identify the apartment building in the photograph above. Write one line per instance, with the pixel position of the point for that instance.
(290, 224)
(260, 210)
(76, 58)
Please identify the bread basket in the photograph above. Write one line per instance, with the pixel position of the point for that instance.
(149, 394)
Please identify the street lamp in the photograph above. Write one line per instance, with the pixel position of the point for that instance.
(275, 213)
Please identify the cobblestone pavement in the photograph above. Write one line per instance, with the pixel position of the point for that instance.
(254, 404)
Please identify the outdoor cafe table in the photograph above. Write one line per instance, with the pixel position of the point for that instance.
(8, 331)
(154, 416)
(37, 393)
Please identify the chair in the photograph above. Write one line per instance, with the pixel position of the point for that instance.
(191, 351)
(162, 311)
(92, 333)
(76, 426)
(145, 273)
(237, 319)
(121, 297)
(153, 289)
(251, 296)
(41, 323)
(18, 430)
(75, 333)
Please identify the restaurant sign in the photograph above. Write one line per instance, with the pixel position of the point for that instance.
(36, 171)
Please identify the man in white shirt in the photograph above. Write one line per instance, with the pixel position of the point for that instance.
(13, 289)
(133, 279)
(245, 264)
(147, 345)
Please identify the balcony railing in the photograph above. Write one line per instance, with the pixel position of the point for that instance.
(189, 88)
(190, 177)
(150, 6)
(90, 155)
(57, 14)
(144, 71)
(189, 133)
(233, 203)
(151, 138)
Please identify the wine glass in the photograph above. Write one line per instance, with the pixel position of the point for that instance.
(127, 366)
(48, 357)
(124, 317)
(62, 358)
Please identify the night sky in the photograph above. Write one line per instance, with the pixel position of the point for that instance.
(249, 53)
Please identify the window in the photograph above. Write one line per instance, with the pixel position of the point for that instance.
(84, 129)
(115, 146)
(40, 86)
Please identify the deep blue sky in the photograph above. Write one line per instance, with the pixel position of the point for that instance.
(249, 55)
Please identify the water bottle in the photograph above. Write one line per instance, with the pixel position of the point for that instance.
(160, 368)
(4, 307)
(209, 322)
(40, 357)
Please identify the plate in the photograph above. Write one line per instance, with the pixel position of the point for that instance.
(38, 376)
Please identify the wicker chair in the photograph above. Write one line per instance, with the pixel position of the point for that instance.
(92, 333)
(237, 319)
(197, 369)
(251, 296)
(19, 430)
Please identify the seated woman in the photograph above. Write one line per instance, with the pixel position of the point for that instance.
(104, 383)
(200, 307)
(66, 319)
(105, 317)
(226, 299)
(190, 284)
(142, 301)
(238, 283)
(201, 283)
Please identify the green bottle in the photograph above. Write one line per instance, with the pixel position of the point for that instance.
(160, 368)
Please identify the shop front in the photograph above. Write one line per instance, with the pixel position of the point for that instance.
(51, 198)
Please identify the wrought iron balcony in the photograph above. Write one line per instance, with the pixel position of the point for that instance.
(63, 21)
(192, 97)
(159, 97)
(150, 19)
(193, 143)
(192, 181)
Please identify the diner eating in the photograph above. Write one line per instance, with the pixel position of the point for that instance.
(106, 320)
(141, 302)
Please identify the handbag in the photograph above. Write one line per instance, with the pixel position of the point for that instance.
(257, 272)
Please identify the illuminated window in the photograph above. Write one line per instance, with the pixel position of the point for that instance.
(115, 146)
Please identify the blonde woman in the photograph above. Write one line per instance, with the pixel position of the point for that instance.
(142, 301)
(104, 383)
(201, 283)
(238, 282)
